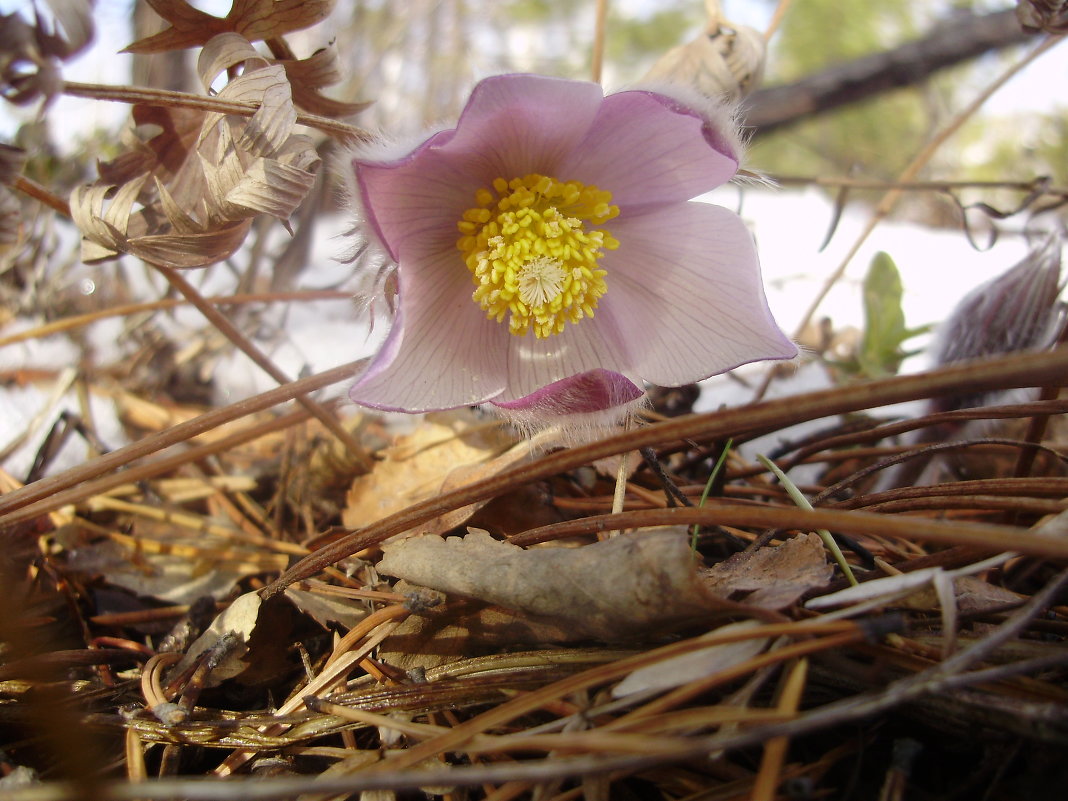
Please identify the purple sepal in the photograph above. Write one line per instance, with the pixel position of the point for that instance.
(593, 391)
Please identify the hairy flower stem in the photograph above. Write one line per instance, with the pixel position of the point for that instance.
(620, 494)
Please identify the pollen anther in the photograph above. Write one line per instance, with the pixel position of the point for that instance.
(532, 250)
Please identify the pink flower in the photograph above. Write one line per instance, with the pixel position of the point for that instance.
(549, 257)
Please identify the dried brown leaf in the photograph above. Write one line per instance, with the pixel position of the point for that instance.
(75, 18)
(461, 627)
(12, 160)
(231, 631)
(445, 448)
(271, 187)
(307, 76)
(971, 595)
(163, 154)
(1050, 16)
(30, 54)
(105, 231)
(171, 578)
(209, 183)
(185, 251)
(772, 578)
(625, 587)
(179, 219)
(253, 19)
(10, 221)
(25, 72)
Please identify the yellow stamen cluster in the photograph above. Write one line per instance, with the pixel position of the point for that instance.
(531, 254)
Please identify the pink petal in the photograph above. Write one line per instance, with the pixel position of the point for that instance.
(518, 124)
(594, 391)
(414, 206)
(512, 125)
(686, 281)
(580, 348)
(648, 149)
(442, 352)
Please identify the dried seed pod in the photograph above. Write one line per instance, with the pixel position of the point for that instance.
(726, 60)
(1018, 310)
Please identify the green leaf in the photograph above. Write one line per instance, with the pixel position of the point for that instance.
(880, 350)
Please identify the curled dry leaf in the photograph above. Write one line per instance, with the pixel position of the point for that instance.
(772, 578)
(232, 630)
(163, 154)
(1050, 16)
(73, 31)
(252, 19)
(30, 53)
(448, 450)
(918, 590)
(307, 76)
(242, 643)
(458, 627)
(629, 586)
(327, 609)
(971, 596)
(205, 190)
(12, 159)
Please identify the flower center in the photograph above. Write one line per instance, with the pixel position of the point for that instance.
(532, 256)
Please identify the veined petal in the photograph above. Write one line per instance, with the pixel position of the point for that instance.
(647, 149)
(589, 345)
(413, 207)
(441, 353)
(686, 281)
(519, 124)
(513, 125)
(593, 391)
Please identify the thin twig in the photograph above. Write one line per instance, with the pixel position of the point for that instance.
(41, 195)
(80, 320)
(243, 108)
(50, 486)
(916, 186)
(776, 19)
(983, 536)
(246, 346)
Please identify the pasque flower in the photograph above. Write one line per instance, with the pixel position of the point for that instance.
(550, 256)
